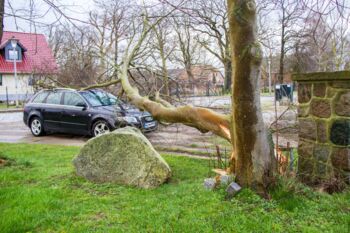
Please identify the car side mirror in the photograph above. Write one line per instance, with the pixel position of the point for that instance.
(82, 105)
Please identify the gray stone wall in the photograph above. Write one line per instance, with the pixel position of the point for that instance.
(324, 126)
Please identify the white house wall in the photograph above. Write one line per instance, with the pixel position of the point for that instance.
(24, 89)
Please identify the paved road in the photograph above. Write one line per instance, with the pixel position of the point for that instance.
(13, 130)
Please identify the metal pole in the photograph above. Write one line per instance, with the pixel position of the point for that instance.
(7, 98)
(15, 72)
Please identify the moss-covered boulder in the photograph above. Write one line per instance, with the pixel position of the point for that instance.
(124, 156)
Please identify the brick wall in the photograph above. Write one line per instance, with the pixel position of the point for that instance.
(324, 126)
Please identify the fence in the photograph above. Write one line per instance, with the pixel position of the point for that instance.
(7, 97)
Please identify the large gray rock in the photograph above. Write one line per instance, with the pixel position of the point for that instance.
(124, 156)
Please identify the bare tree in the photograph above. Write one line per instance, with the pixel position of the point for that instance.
(75, 55)
(164, 47)
(341, 44)
(211, 21)
(325, 43)
(188, 47)
(290, 13)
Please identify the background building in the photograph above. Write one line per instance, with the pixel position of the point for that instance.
(205, 80)
(33, 59)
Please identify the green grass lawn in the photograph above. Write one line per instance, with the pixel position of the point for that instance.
(39, 192)
(3, 106)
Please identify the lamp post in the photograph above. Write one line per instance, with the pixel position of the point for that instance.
(15, 55)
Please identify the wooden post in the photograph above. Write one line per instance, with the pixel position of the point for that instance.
(219, 156)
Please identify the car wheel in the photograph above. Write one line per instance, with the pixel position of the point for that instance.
(100, 127)
(36, 126)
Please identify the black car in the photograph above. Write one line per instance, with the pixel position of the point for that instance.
(91, 112)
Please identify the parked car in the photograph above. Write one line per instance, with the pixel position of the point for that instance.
(91, 112)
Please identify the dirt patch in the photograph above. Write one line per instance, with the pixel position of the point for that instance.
(182, 139)
(3, 162)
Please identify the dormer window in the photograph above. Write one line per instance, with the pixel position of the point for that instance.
(11, 54)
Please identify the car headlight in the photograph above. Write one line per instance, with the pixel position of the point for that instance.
(128, 119)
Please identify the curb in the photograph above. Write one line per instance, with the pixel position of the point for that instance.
(11, 110)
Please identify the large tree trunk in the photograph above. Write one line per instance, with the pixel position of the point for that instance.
(252, 159)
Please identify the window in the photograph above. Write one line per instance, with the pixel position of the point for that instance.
(0, 79)
(40, 97)
(13, 55)
(10, 54)
(73, 99)
(99, 98)
(54, 98)
(91, 98)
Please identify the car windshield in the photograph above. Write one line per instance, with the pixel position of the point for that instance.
(99, 98)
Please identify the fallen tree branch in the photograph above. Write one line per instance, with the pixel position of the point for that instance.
(100, 85)
(203, 119)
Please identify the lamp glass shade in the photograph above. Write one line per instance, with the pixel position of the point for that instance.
(14, 43)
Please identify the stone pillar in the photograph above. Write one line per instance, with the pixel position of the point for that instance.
(324, 126)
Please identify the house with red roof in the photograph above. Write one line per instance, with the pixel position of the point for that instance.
(31, 57)
(206, 80)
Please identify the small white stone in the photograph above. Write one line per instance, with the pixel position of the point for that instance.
(209, 183)
(226, 179)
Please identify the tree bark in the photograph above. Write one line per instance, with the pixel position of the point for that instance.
(252, 158)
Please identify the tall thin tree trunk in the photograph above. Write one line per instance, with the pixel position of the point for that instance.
(166, 89)
(228, 75)
(166, 81)
(281, 68)
(116, 52)
(188, 68)
(2, 11)
(252, 160)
